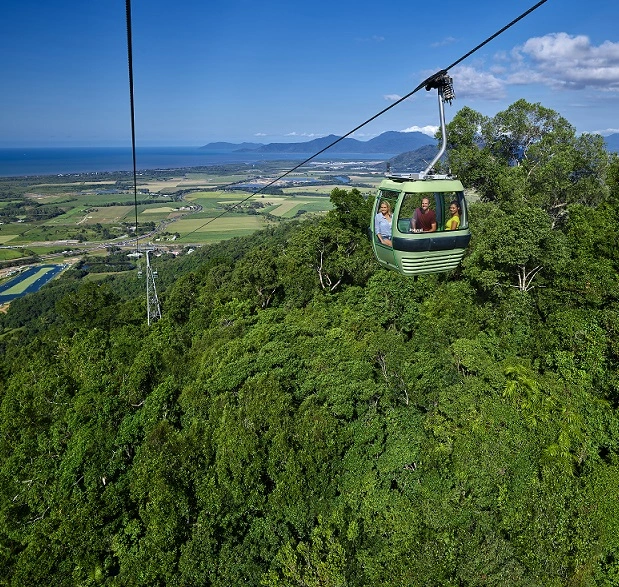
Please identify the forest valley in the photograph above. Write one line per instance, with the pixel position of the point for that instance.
(301, 417)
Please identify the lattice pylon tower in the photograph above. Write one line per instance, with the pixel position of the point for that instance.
(152, 301)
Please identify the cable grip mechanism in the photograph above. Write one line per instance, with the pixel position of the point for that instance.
(444, 84)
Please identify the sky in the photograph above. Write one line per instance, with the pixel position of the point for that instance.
(284, 71)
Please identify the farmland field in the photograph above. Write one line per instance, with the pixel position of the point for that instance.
(204, 230)
(312, 189)
(289, 207)
(6, 254)
(160, 210)
(109, 214)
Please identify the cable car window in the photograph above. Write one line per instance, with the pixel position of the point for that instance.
(383, 216)
(414, 216)
(453, 212)
(446, 211)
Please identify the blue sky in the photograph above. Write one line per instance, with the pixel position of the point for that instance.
(280, 71)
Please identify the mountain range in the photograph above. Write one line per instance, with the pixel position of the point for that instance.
(612, 142)
(391, 142)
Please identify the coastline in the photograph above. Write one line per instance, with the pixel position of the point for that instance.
(59, 161)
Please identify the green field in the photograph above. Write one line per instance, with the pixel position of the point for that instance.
(5, 238)
(311, 189)
(205, 230)
(8, 254)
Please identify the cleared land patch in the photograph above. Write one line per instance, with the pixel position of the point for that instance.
(8, 254)
(171, 184)
(194, 229)
(109, 214)
(307, 206)
(285, 207)
(160, 210)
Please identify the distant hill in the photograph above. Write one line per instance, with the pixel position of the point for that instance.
(387, 142)
(400, 142)
(223, 147)
(413, 161)
(612, 142)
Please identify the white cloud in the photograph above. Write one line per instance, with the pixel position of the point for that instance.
(426, 130)
(363, 135)
(443, 42)
(372, 39)
(392, 97)
(563, 61)
(607, 131)
(303, 134)
(470, 82)
(556, 60)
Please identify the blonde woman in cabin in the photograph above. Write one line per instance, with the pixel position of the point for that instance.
(383, 223)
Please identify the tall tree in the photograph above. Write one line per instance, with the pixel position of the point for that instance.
(528, 155)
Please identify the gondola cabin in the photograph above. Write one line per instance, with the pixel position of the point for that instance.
(412, 252)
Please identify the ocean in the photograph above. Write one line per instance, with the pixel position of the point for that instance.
(16, 162)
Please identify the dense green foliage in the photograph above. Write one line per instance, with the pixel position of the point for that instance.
(299, 417)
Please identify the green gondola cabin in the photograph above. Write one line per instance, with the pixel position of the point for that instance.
(416, 253)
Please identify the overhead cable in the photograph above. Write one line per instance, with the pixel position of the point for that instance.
(135, 175)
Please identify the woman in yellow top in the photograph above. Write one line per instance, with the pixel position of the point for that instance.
(454, 222)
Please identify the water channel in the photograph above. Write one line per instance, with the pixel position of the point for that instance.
(40, 275)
